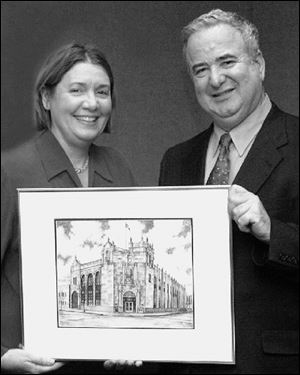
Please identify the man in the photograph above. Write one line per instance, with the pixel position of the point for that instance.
(253, 146)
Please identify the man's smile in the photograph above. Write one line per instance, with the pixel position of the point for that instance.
(224, 94)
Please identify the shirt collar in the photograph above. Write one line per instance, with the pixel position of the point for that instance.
(243, 134)
(53, 157)
(56, 161)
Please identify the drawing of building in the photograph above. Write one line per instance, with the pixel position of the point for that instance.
(124, 280)
(63, 294)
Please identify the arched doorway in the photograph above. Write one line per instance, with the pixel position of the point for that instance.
(129, 302)
(74, 300)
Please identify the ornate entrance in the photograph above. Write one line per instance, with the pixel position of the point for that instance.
(129, 302)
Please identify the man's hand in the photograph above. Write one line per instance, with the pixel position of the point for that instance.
(248, 212)
(21, 362)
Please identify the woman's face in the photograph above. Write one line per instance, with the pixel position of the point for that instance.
(80, 105)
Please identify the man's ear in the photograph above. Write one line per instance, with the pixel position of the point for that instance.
(261, 64)
(45, 99)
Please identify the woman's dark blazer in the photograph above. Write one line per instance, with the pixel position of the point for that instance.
(265, 277)
(42, 163)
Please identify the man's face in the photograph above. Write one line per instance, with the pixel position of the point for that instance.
(227, 81)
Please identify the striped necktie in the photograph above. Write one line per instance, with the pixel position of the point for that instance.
(220, 173)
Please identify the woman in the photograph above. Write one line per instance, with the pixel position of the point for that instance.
(74, 98)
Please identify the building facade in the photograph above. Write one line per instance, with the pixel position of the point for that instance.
(124, 280)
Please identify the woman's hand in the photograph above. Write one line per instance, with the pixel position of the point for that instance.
(20, 361)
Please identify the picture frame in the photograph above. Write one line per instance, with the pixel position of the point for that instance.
(127, 273)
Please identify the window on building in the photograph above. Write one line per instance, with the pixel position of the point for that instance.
(74, 280)
(168, 296)
(149, 277)
(90, 289)
(82, 289)
(97, 289)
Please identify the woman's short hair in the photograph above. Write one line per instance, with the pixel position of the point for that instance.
(56, 66)
(248, 31)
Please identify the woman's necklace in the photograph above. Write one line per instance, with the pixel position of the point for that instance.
(83, 168)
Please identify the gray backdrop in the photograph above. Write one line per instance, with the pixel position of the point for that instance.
(156, 107)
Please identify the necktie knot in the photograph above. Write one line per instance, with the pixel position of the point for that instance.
(220, 173)
(224, 145)
(225, 140)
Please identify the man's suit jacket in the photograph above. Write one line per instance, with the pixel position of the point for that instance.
(265, 277)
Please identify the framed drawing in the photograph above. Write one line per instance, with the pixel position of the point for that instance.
(135, 273)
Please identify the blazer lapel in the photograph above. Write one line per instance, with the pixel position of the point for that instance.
(264, 155)
(57, 166)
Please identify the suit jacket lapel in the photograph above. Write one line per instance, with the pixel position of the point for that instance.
(264, 155)
(194, 163)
